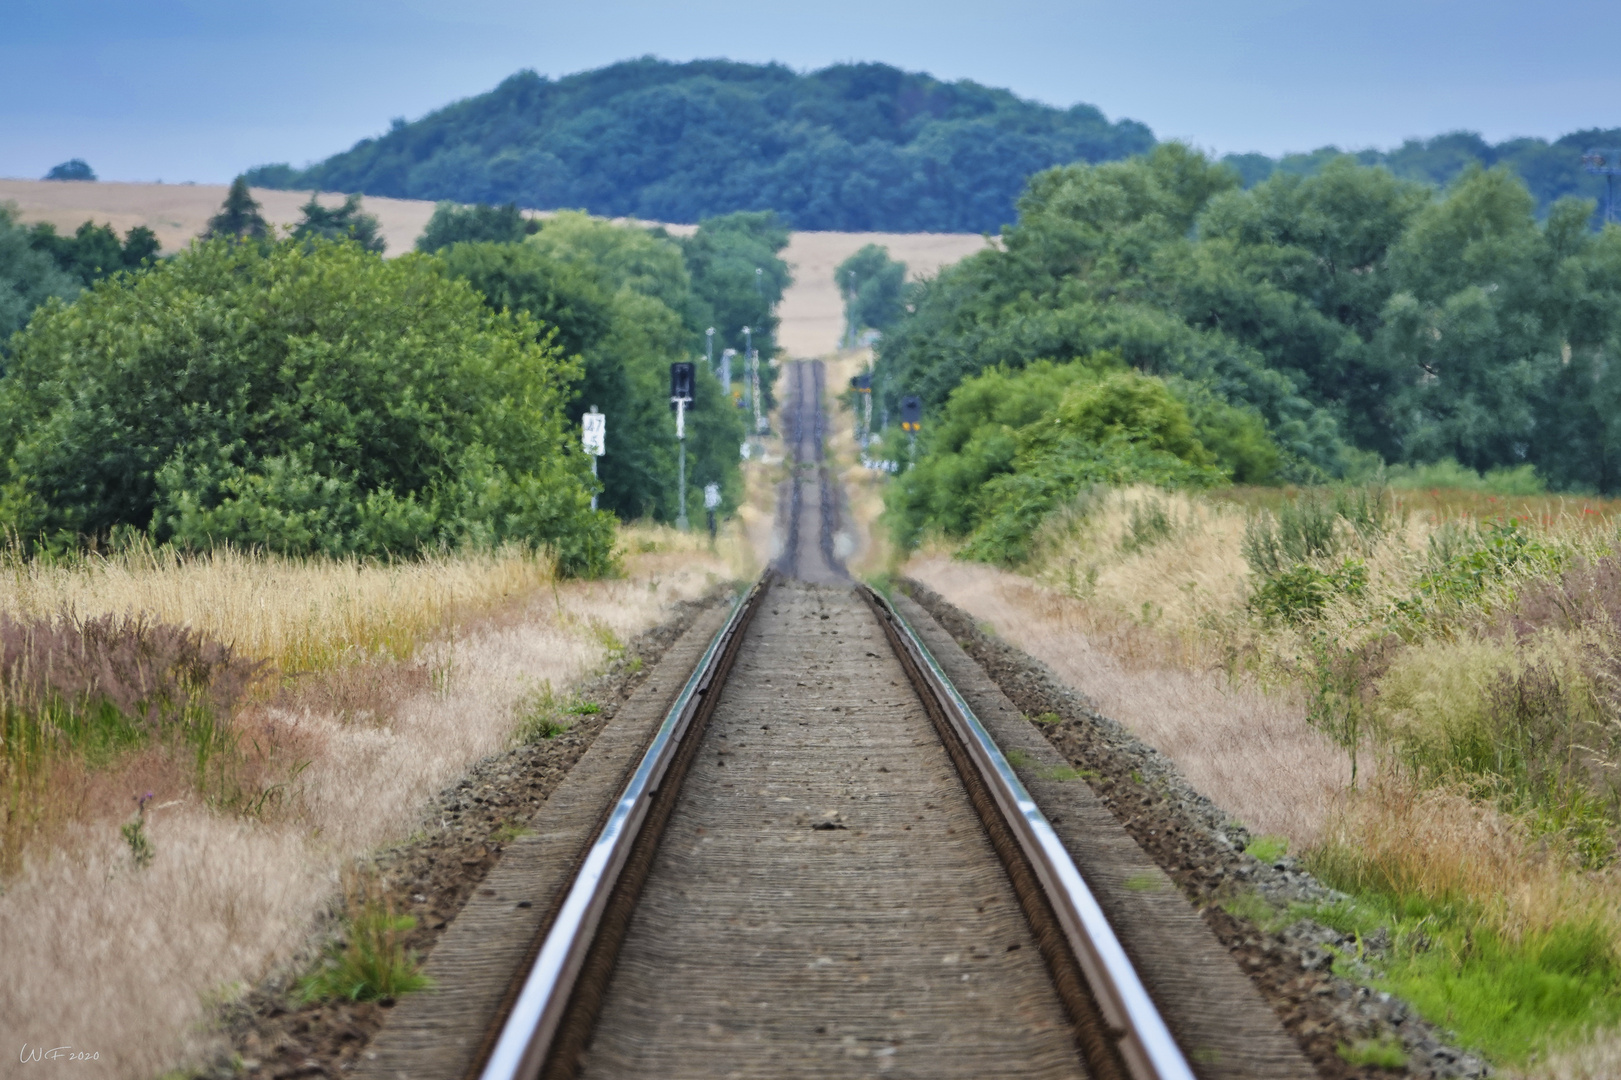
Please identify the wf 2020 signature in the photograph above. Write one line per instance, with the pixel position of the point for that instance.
(29, 1055)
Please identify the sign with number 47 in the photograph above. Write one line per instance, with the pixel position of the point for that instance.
(594, 434)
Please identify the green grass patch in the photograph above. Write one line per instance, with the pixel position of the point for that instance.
(1508, 999)
(370, 961)
(1385, 1053)
(542, 714)
(1145, 883)
(1267, 849)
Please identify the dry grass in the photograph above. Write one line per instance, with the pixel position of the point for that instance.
(1469, 647)
(298, 614)
(110, 958)
(1244, 747)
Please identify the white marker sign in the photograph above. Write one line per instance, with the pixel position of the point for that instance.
(711, 496)
(595, 432)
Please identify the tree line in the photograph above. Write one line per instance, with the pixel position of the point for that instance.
(300, 394)
(1353, 317)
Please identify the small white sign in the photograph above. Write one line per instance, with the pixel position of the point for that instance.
(594, 435)
(711, 496)
(744, 450)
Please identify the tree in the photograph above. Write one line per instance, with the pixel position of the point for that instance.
(605, 292)
(28, 276)
(94, 251)
(302, 397)
(73, 169)
(452, 224)
(345, 222)
(874, 288)
(239, 215)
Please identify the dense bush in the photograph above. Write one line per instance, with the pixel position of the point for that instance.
(854, 146)
(1010, 447)
(302, 397)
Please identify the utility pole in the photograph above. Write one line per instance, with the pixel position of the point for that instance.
(850, 312)
(709, 350)
(747, 347)
(726, 372)
(1605, 163)
(681, 384)
(593, 436)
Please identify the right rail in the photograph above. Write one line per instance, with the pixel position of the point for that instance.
(1058, 898)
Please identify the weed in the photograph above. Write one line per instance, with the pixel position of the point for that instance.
(1019, 759)
(1148, 525)
(509, 832)
(542, 714)
(1064, 773)
(141, 850)
(1145, 883)
(370, 961)
(1047, 718)
(1267, 849)
(1303, 592)
(1382, 1053)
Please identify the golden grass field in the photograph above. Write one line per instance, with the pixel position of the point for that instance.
(415, 672)
(812, 311)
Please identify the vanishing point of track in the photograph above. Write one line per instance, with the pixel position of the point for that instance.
(823, 866)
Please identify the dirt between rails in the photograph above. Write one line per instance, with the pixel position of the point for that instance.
(1202, 850)
(430, 877)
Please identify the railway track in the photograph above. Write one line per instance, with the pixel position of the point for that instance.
(822, 865)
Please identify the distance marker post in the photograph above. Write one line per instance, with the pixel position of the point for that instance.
(594, 438)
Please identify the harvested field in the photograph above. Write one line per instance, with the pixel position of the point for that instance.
(812, 311)
(178, 212)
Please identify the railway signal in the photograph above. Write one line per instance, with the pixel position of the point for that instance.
(594, 439)
(682, 378)
(911, 421)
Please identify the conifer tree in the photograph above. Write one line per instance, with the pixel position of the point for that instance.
(344, 222)
(239, 216)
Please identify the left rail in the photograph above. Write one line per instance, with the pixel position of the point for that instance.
(555, 1007)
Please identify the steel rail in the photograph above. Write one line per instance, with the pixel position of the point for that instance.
(531, 1027)
(1143, 1041)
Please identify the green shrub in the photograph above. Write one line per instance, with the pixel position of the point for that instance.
(1302, 593)
(298, 397)
(1013, 447)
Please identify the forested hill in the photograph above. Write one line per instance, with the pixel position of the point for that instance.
(1551, 170)
(851, 147)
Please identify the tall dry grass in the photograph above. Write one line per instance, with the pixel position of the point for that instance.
(112, 958)
(1242, 744)
(298, 614)
(1463, 649)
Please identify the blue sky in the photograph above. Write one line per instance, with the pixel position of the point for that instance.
(194, 90)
